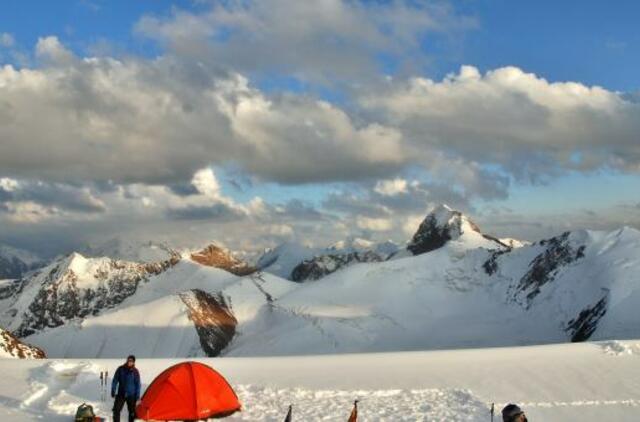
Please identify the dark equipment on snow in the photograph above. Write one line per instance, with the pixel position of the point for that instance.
(85, 413)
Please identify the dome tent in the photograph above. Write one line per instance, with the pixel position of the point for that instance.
(188, 391)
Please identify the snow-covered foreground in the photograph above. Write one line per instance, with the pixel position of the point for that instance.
(586, 382)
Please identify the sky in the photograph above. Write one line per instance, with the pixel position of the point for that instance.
(251, 123)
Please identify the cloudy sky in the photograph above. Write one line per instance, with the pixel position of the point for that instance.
(256, 122)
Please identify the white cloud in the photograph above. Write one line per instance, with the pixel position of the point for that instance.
(517, 120)
(374, 224)
(206, 183)
(50, 48)
(325, 40)
(391, 187)
(6, 39)
(159, 121)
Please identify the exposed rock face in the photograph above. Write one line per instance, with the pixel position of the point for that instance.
(213, 319)
(440, 226)
(559, 252)
(581, 327)
(491, 265)
(444, 224)
(214, 256)
(320, 266)
(76, 287)
(10, 346)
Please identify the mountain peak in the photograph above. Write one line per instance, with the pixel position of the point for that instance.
(441, 225)
(218, 257)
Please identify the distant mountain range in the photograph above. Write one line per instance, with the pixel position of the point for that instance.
(451, 286)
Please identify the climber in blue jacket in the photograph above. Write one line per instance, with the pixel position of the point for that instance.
(125, 388)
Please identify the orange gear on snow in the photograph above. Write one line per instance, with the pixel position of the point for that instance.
(188, 391)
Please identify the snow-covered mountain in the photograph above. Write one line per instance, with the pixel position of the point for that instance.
(11, 347)
(453, 287)
(187, 310)
(16, 262)
(130, 250)
(569, 288)
(281, 260)
(444, 224)
(70, 288)
(300, 263)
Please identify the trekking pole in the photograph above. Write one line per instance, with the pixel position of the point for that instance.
(492, 410)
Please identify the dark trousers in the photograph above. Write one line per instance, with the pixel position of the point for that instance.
(118, 404)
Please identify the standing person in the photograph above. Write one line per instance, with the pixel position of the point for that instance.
(125, 388)
(513, 413)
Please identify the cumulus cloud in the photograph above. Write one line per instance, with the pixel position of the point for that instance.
(391, 187)
(158, 122)
(506, 117)
(54, 197)
(374, 224)
(326, 40)
(97, 144)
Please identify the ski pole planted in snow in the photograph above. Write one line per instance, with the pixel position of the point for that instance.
(101, 386)
(492, 410)
(288, 417)
(354, 412)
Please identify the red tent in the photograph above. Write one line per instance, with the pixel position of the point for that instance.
(188, 391)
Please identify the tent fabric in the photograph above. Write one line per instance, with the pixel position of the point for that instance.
(188, 391)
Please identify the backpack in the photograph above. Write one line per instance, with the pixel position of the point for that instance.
(85, 413)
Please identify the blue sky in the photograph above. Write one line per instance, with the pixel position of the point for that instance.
(591, 41)
(339, 74)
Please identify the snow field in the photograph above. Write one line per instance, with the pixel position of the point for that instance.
(586, 382)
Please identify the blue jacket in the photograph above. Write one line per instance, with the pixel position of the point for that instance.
(127, 382)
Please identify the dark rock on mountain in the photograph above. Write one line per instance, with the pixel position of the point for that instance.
(10, 346)
(581, 327)
(559, 252)
(76, 287)
(442, 225)
(320, 266)
(214, 256)
(491, 265)
(213, 319)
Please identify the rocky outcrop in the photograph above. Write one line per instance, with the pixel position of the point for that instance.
(559, 251)
(214, 256)
(323, 265)
(76, 287)
(442, 225)
(10, 346)
(583, 326)
(213, 319)
(491, 264)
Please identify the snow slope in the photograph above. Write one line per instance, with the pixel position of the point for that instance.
(576, 286)
(155, 321)
(471, 291)
(588, 382)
